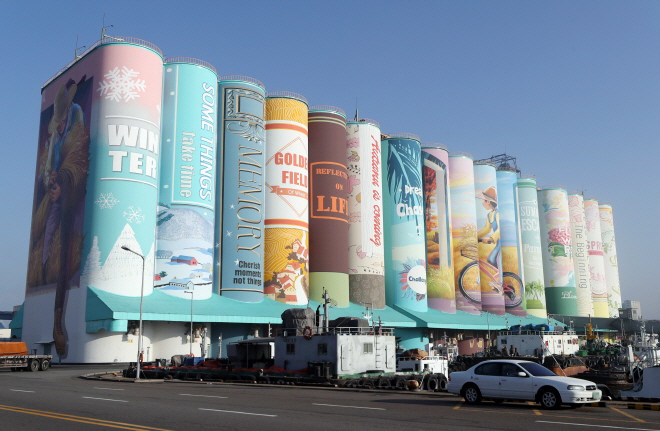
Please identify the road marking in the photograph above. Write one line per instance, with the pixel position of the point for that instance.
(18, 390)
(597, 426)
(80, 419)
(458, 406)
(626, 414)
(105, 399)
(205, 396)
(536, 411)
(111, 389)
(348, 407)
(240, 413)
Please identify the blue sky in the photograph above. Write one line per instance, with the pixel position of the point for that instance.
(569, 88)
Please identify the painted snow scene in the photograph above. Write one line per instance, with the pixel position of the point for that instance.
(184, 255)
(121, 271)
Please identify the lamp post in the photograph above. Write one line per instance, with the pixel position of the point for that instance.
(192, 297)
(137, 376)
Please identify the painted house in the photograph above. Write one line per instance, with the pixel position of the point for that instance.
(189, 260)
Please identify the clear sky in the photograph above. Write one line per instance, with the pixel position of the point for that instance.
(570, 88)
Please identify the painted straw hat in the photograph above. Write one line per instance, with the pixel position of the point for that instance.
(490, 194)
(63, 100)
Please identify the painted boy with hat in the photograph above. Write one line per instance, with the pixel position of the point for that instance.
(490, 234)
(61, 191)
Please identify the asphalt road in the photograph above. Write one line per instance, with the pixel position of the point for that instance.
(58, 399)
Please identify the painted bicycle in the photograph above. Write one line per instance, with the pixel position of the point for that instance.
(511, 282)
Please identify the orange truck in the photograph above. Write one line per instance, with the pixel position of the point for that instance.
(15, 355)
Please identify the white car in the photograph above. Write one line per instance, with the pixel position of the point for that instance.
(521, 380)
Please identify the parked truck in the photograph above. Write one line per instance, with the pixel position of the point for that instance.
(15, 355)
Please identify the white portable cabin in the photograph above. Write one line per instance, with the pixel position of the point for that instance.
(352, 351)
(542, 343)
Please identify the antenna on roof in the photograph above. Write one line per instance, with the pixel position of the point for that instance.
(76, 56)
(103, 36)
(356, 110)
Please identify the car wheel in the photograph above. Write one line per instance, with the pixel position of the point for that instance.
(550, 399)
(33, 365)
(472, 394)
(44, 365)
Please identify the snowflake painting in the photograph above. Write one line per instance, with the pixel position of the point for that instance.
(134, 215)
(121, 84)
(106, 200)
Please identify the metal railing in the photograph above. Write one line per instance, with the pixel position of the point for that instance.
(591, 198)
(327, 108)
(532, 332)
(435, 146)
(506, 169)
(190, 60)
(241, 78)
(529, 177)
(365, 120)
(484, 162)
(403, 136)
(105, 40)
(551, 187)
(605, 203)
(575, 192)
(460, 153)
(289, 94)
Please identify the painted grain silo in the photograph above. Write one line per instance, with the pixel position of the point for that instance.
(464, 232)
(328, 212)
(532, 257)
(489, 237)
(556, 246)
(96, 190)
(609, 258)
(439, 250)
(366, 266)
(403, 190)
(286, 253)
(580, 254)
(514, 300)
(240, 191)
(186, 207)
(596, 261)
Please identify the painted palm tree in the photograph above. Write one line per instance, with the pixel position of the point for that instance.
(404, 169)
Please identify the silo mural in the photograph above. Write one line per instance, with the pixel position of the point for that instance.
(403, 189)
(439, 270)
(328, 191)
(532, 258)
(580, 254)
(240, 191)
(96, 185)
(184, 231)
(514, 290)
(557, 250)
(464, 233)
(365, 234)
(286, 253)
(489, 238)
(596, 261)
(609, 258)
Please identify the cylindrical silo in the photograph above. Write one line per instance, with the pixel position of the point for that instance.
(405, 249)
(439, 259)
(609, 258)
(96, 191)
(286, 253)
(532, 258)
(557, 252)
(464, 233)
(514, 291)
(328, 212)
(596, 261)
(580, 254)
(186, 207)
(489, 230)
(366, 267)
(240, 192)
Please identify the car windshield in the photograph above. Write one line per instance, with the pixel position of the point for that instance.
(536, 370)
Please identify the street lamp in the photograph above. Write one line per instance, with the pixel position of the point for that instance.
(137, 376)
(192, 297)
